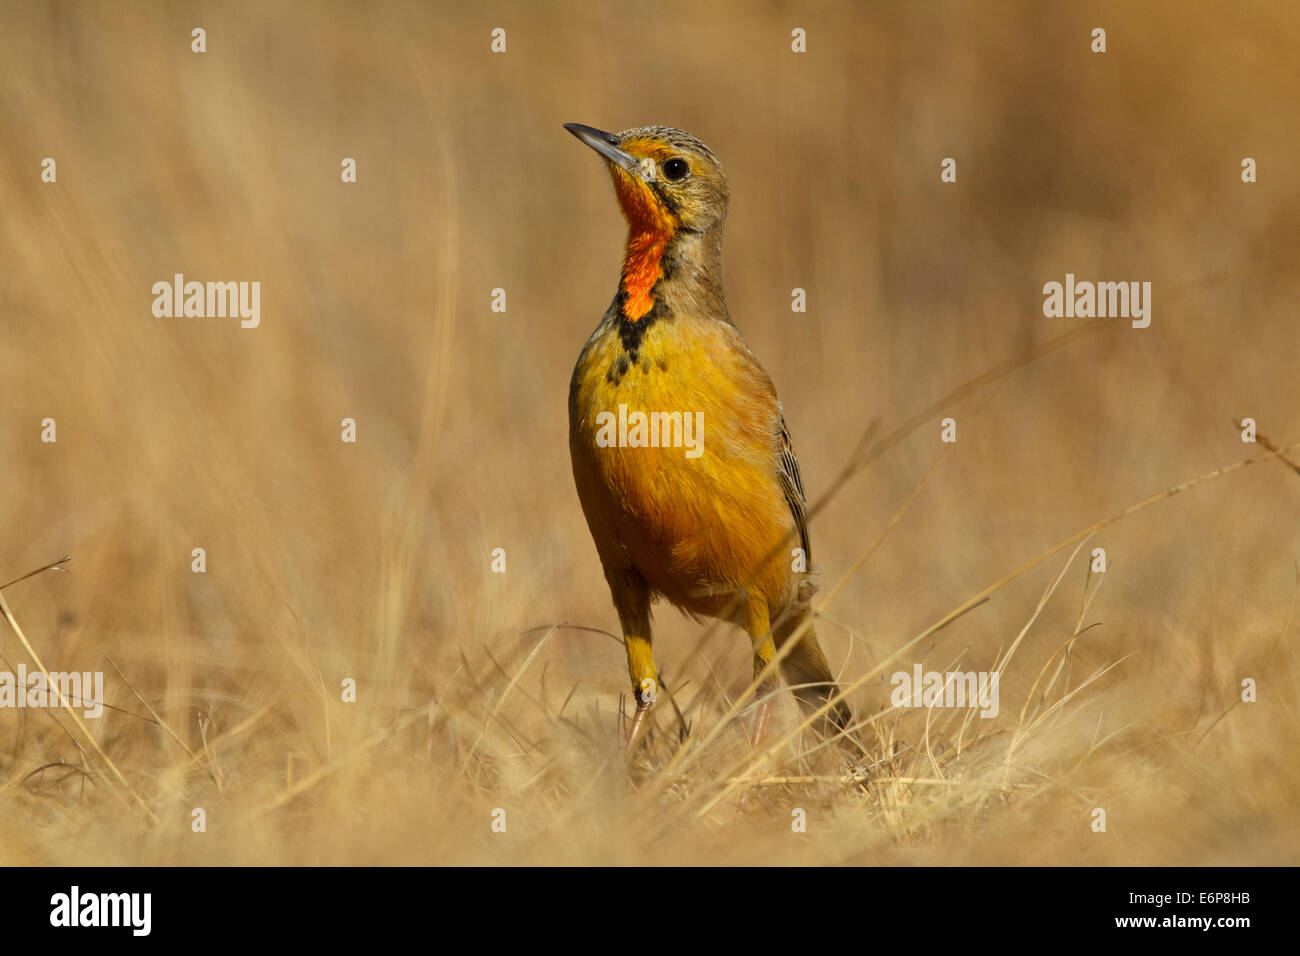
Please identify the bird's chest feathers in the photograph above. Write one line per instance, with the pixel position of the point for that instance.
(643, 421)
(639, 365)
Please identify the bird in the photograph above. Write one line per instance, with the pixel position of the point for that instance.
(708, 510)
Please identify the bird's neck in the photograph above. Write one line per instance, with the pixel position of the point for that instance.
(643, 268)
(661, 263)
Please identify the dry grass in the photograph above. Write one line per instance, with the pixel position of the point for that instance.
(477, 690)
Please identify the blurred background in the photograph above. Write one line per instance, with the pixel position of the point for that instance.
(371, 561)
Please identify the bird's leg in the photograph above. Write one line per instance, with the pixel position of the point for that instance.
(765, 698)
(632, 599)
(645, 683)
(764, 650)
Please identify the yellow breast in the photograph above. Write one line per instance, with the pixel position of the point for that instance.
(676, 458)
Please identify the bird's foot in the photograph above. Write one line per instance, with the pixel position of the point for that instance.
(645, 699)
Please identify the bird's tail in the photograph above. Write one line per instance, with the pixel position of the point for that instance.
(806, 671)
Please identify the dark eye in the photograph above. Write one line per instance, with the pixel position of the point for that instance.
(676, 170)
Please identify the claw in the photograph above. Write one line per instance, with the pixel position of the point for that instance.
(645, 699)
(642, 708)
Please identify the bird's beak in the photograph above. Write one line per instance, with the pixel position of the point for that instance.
(607, 145)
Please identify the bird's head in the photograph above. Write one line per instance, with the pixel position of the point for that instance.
(667, 181)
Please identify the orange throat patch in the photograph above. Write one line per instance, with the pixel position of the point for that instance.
(650, 228)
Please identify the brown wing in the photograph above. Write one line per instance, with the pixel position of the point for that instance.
(792, 488)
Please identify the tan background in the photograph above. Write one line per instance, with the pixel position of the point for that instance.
(370, 561)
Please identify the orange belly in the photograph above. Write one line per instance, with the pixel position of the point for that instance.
(702, 515)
